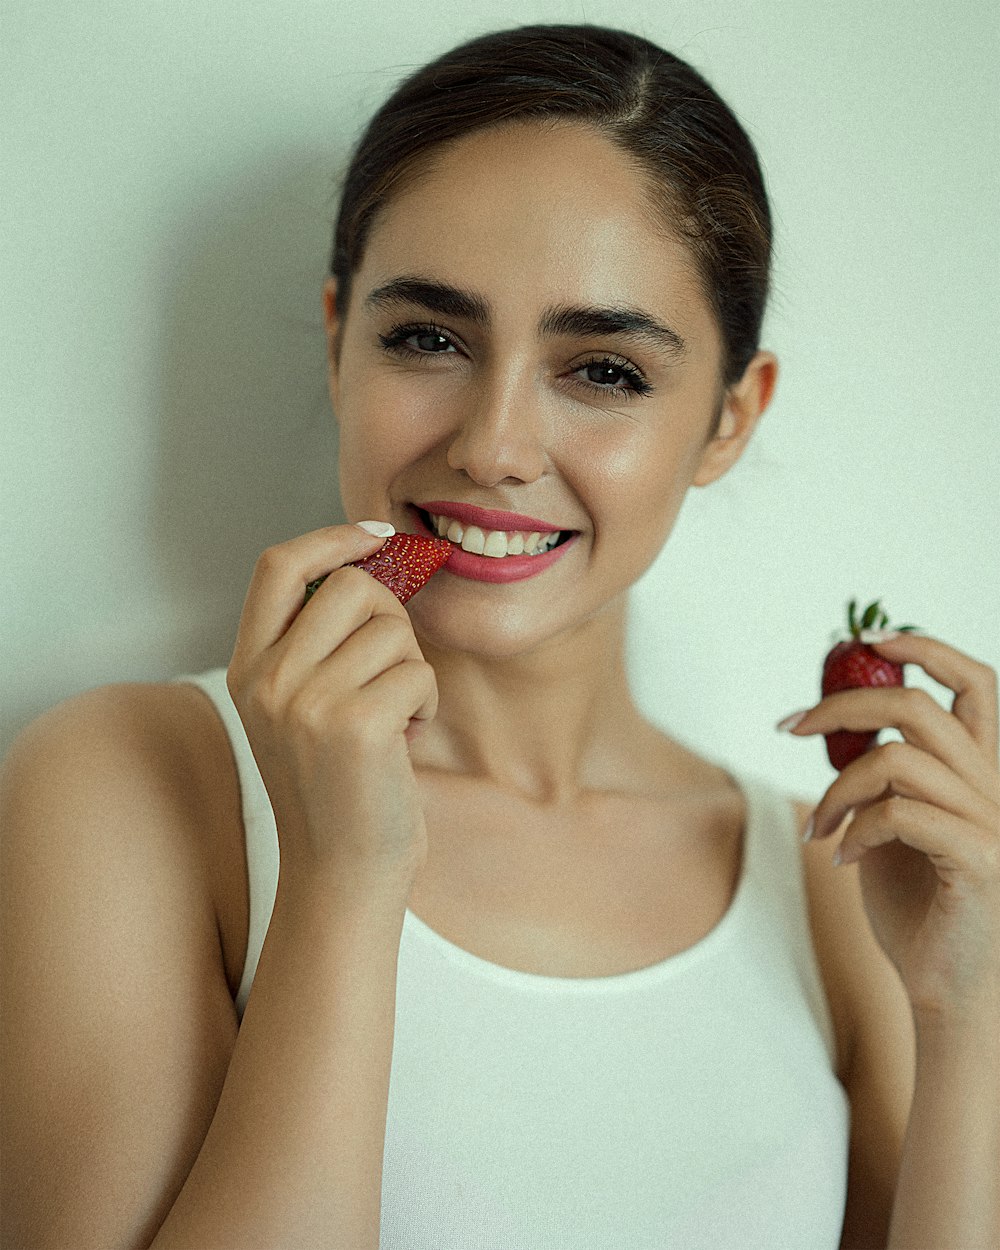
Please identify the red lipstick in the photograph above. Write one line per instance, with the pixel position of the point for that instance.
(488, 519)
(489, 569)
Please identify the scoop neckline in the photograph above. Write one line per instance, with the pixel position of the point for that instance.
(617, 981)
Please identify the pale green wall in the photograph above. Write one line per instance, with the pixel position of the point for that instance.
(164, 414)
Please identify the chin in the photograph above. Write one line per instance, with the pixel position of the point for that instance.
(494, 634)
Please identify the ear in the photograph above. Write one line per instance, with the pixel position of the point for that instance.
(333, 321)
(742, 408)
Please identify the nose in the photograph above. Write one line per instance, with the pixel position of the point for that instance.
(500, 436)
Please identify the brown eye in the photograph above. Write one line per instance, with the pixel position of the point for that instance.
(430, 342)
(417, 340)
(613, 377)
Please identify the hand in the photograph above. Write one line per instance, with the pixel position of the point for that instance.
(926, 825)
(329, 692)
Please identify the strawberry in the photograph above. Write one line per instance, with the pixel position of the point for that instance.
(404, 563)
(853, 664)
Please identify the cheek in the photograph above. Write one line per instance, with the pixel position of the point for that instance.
(644, 475)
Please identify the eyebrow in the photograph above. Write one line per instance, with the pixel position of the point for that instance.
(562, 320)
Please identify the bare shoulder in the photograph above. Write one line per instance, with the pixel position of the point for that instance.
(155, 749)
(116, 807)
(876, 1041)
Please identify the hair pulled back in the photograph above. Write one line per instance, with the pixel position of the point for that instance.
(700, 165)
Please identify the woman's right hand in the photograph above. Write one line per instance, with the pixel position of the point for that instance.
(330, 692)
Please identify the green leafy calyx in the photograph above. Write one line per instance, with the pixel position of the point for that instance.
(873, 617)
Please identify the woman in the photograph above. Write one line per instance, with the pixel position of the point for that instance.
(620, 1004)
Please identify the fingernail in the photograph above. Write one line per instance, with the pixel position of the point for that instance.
(380, 529)
(838, 857)
(878, 635)
(810, 826)
(796, 718)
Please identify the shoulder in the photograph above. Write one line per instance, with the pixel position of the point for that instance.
(149, 765)
(113, 809)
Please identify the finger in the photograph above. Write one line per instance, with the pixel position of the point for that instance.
(954, 846)
(344, 603)
(382, 641)
(917, 715)
(897, 768)
(411, 688)
(973, 682)
(275, 594)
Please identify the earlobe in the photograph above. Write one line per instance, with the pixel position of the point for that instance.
(743, 406)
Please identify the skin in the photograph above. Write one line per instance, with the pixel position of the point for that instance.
(128, 1082)
(534, 695)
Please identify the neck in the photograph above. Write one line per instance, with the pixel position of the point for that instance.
(546, 724)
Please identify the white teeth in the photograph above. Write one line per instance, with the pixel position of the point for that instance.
(474, 540)
(495, 543)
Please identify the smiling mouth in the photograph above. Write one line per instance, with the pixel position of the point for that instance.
(497, 544)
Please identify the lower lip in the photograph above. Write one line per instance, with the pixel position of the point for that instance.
(494, 568)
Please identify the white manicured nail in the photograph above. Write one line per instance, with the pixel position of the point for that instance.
(379, 529)
(810, 826)
(878, 635)
(789, 723)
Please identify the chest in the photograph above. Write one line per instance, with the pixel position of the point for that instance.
(620, 886)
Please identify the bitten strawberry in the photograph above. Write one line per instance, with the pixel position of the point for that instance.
(404, 563)
(853, 664)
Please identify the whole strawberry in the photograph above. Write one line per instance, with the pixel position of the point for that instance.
(404, 563)
(851, 665)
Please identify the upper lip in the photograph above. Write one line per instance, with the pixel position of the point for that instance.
(488, 518)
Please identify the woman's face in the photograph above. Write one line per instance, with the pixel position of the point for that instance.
(523, 336)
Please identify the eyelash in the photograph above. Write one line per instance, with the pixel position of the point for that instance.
(395, 341)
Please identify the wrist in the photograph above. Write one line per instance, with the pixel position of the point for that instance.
(347, 879)
(967, 1033)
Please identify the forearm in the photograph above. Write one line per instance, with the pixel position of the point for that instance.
(948, 1192)
(293, 1157)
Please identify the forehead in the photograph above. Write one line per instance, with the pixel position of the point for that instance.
(532, 214)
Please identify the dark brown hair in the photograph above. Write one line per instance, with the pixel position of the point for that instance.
(700, 165)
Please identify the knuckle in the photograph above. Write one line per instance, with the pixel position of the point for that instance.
(309, 708)
(917, 699)
(990, 856)
(988, 674)
(894, 809)
(358, 723)
(895, 755)
(270, 559)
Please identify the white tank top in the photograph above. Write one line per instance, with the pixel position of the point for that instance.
(689, 1105)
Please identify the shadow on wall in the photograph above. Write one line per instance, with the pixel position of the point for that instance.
(248, 451)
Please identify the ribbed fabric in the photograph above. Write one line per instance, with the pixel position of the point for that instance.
(689, 1105)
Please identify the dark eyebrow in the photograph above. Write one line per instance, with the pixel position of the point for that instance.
(577, 322)
(436, 297)
(618, 319)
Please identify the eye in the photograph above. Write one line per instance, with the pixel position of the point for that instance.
(613, 375)
(417, 340)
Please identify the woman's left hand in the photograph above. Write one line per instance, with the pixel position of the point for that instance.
(926, 828)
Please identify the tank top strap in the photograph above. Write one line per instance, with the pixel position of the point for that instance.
(260, 830)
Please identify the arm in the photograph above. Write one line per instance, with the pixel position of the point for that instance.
(132, 1105)
(949, 1181)
(129, 1103)
(876, 1048)
(924, 842)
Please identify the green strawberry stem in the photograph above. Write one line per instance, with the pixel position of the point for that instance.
(874, 616)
